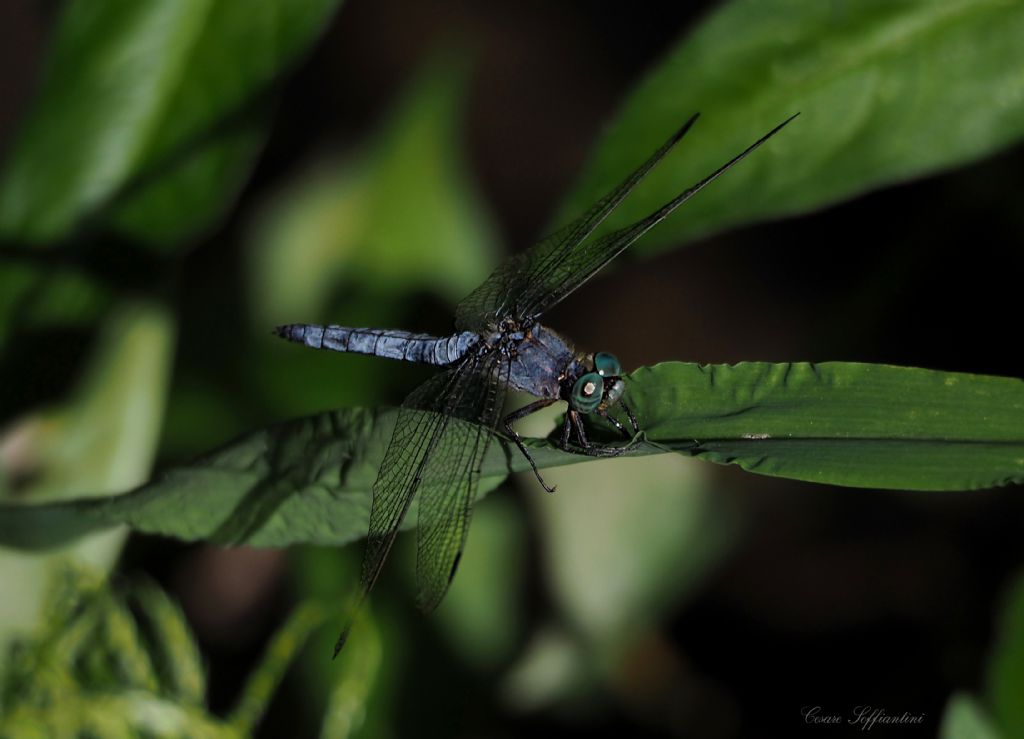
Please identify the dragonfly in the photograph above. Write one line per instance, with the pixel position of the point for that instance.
(446, 425)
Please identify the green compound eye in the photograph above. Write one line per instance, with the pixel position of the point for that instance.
(614, 392)
(607, 365)
(587, 392)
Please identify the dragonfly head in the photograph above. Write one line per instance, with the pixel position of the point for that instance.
(600, 388)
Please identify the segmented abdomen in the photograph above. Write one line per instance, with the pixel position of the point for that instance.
(402, 345)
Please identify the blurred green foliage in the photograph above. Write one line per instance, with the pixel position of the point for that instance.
(123, 663)
(329, 242)
(1000, 713)
(35, 294)
(483, 611)
(102, 439)
(965, 719)
(93, 668)
(335, 226)
(887, 91)
(1006, 664)
(149, 115)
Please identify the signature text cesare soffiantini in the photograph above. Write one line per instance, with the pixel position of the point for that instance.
(866, 717)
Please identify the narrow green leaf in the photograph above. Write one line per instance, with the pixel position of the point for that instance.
(843, 423)
(354, 694)
(172, 645)
(859, 425)
(355, 687)
(887, 90)
(280, 653)
(84, 669)
(153, 105)
(129, 664)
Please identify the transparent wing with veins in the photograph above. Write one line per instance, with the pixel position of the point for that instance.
(500, 294)
(572, 267)
(440, 438)
(529, 284)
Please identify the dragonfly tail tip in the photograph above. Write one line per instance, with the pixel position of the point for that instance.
(340, 644)
(290, 331)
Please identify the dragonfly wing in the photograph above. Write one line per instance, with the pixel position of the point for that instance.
(501, 293)
(450, 479)
(575, 266)
(419, 429)
(416, 434)
(441, 433)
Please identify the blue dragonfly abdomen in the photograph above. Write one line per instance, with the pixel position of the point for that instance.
(391, 344)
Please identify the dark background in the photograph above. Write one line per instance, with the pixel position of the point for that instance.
(834, 597)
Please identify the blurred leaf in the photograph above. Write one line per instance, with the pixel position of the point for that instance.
(174, 652)
(102, 441)
(85, 671)
(127, 661)
(1005, 677)
(355, 693)
(841, 423)
(965, 719)
(150, 108)
(354, 682)
(280, 653)
(200, 414)
(32, 295)
(625, 539)
(483, 611)
(863, 74)
(190, 196)
(326, 249)
(554, 668)
(91, 669)
(401, 216)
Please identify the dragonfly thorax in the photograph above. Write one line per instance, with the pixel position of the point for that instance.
(506, 334)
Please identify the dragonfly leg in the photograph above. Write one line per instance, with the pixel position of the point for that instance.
(593, 450)
(522, 413)
(615, 422)
(580, 433)
(632, 418)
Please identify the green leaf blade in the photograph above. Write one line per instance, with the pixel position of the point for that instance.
(142, 116)
(843, 423)
(862, 75)
(304, 481)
